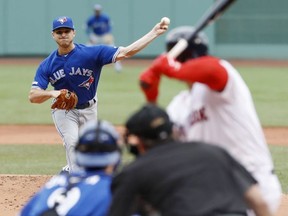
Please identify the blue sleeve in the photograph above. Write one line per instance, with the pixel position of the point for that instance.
(26, 211)
(41, 79)
(107, 54)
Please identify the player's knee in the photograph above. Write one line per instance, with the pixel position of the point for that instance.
(70, 141)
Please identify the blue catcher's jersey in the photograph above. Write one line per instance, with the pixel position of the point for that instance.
(99, 25)
(78, 71)
(72, 195)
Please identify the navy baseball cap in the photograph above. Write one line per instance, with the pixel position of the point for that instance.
(62, 22)
(151, 122)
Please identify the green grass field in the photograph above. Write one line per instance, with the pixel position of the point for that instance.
(119, 95)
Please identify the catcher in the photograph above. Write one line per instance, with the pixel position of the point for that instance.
(85, 193)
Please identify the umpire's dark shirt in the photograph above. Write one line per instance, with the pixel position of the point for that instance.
(183, 179)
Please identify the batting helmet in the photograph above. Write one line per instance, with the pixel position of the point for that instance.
(197, 47)
(97, 145)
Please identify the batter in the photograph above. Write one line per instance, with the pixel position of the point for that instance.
(217, 108)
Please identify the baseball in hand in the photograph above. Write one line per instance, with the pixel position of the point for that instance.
(165, 20)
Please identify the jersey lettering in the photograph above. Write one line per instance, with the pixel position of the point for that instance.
(74, 71)
(55, 181)
(63, 201)
(92, 180)
(57, 76)
(197, 116)
(77, 72)
(80, 71)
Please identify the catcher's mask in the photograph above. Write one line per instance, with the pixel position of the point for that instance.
(97, 145)
(197, 47)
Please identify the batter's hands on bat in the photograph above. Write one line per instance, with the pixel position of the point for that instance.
(66, 100)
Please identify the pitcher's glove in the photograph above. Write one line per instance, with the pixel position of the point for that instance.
(66, 100)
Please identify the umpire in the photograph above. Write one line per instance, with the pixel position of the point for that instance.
(171, 178)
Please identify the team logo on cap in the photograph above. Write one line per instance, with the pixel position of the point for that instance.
(62, 20)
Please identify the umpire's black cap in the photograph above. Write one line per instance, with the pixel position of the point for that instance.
(150, 122)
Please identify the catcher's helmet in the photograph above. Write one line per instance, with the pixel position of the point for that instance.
(97, 145)
(197, 47)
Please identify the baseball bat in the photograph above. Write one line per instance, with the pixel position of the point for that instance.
(210, 16)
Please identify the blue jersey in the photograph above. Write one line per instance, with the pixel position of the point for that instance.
(79, 71)
(84, 195)
(99, 25)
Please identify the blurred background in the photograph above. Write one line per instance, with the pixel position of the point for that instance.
(253, 30)
(249, 29)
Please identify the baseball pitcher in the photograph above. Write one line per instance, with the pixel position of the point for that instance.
(75, 69)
